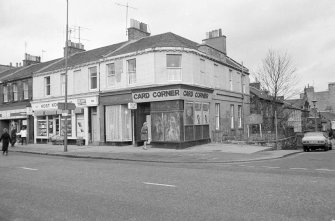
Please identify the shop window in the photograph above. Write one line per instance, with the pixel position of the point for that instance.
(62, 84)
(232, 126)
(47, 86)
(239, 110)
(205, 113)
(131, 64)
(15, 94)
(25, 90)
(80, 125)
(189, 113)
(69, 125)
(118, 123)
(5, 93)
(217, 116)
(93, 77)
(173, 65)
(42, 126)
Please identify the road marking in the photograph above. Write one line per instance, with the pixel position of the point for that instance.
(250, 166)
(270, 167)
(159, 184)
(241, 165)
(298, 168)
(27, 168)
(324, 169)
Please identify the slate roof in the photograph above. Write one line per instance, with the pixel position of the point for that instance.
(328, 115)
(261, 94)
(84, 57)
(27, 71)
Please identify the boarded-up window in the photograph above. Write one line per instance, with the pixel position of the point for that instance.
(118, 123)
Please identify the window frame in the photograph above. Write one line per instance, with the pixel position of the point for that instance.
(111, 75)
(239, 113)
(47, 86)
(15, 92)
(174, 72)
(232, 123)
(62, 84)
(5, 93)
(25, 90)
(131, 73)
(217, 116)
(91, 77)
(231, 80)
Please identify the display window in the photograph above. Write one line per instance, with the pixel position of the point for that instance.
(80, 126)
(118, 123)
(42, 126)
(189, 113)
(69, 126)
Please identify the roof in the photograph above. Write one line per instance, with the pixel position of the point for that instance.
(328, 115)
(297, 103)
(261, 94)
(168, 39)
(84, 57)
(26, 71)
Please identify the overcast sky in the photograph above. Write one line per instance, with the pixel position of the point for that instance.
(305, 29)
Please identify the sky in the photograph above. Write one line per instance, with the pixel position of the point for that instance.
(304, 29)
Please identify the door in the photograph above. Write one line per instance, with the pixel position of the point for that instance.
(94, 125)
(148, 120)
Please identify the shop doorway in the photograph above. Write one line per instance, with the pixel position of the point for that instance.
(142, 114)
(94, 125)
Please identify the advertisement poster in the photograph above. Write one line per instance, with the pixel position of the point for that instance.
(189, 114)
(205, 113)
(198, 114)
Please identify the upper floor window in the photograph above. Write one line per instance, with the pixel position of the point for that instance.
(15, 93)
(5, 93)
(62, 84)
(202, 66)
(47, 86)
(173, 65)
(111, 78)
(131, 64)
(243, 83)
(93, 77)
(231, 79)
(25, 90)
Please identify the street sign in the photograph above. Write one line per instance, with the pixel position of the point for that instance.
(132, 106)
(70, 106)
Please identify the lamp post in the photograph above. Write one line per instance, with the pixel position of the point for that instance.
(66, 57)
(314, 104)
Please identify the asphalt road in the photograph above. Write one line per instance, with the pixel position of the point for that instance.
(37, 187)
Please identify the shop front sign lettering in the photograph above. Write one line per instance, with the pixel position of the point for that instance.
(171, 94)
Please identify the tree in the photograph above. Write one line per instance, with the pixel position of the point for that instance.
(277, 76)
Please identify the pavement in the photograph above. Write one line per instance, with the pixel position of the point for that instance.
(206, 153)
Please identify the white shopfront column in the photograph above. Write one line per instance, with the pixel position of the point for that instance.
(35, 129)
(86, 136)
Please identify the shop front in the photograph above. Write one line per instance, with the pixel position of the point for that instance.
(49, 121)
(177, 115)
(16, 119)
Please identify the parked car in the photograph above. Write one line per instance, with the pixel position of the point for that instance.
(316, 140)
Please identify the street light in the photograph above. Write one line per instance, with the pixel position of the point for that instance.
(66, 57)
(314, 104)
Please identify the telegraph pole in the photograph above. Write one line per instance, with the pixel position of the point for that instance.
(242, 90)
(66, 57)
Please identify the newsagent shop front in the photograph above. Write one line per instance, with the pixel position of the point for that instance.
(49, 120)
(177, 116)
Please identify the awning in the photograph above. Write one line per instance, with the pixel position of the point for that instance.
(50, 112)
(79, 110)
(39, 113)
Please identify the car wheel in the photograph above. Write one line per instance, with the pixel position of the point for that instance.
(326, 148)
(305, 149)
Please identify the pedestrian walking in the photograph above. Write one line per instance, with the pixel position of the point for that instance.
(23, 134)
(144, 134)
(13, 136)
(5, 138)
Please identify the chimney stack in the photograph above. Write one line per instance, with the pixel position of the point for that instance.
(73, 48)
(216, 40)
(31, 59)
(137, 30)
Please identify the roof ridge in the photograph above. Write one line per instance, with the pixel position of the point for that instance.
(122, 46)
(3, 77)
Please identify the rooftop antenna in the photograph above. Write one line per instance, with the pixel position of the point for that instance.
(127, 6)
(42, 54)
(78, 29)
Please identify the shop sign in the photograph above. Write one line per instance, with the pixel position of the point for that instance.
(90, 101)
(13, 114)
(69, 106)
(132, 106)
(169, 94)
(254, 119)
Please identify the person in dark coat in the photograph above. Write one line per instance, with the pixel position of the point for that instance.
(144, 134)
(5, 138)
(13, 136)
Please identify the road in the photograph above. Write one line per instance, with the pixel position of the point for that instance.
(37, 187)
